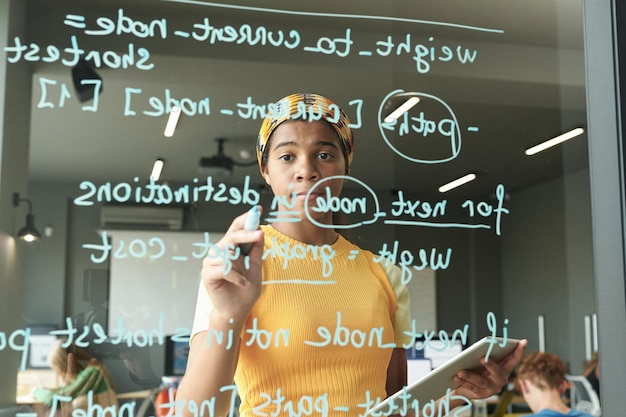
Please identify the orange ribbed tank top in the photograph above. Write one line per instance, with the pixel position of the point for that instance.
(320, 337)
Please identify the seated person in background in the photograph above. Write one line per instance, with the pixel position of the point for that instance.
(81, 376)
(592, 373)
(541, 380)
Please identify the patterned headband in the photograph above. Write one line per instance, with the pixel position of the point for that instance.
(310, 107)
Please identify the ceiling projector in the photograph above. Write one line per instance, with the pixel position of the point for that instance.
(220, 165)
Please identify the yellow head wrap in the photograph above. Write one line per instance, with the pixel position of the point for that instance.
(309, 107)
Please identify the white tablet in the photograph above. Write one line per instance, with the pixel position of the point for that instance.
(435, 384)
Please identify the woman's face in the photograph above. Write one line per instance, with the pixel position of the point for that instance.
(300, 154)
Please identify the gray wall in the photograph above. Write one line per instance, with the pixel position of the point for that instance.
(547, 265)
(536, 283)
(46, 265)
(580, 265)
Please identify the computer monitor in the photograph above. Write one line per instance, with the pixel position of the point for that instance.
(41, 342)
(176, 353)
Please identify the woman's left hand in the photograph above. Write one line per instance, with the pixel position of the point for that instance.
(496, 375)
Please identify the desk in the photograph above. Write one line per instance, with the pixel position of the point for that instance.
(134, 395)
(495, 399)
(28, 399)
(30, 379)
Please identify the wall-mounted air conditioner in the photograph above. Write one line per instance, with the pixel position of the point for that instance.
(141, 217)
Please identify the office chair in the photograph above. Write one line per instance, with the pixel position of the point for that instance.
(147, 406)
(583, 397)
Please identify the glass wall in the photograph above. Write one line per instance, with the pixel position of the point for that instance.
(117, 268)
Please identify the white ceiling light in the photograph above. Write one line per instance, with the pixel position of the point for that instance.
(457, 183)
(156, 169)
(404, 107)
(554, 141)
(172, 121)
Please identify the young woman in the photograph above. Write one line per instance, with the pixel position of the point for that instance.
(311, 324)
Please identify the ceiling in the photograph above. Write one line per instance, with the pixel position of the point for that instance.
(524, 84)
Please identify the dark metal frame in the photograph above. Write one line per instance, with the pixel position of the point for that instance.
(604, 52)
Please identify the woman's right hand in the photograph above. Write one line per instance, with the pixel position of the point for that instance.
(234, 282)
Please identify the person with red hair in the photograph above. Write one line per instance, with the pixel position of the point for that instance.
(541, 380)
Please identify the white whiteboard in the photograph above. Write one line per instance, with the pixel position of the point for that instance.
(154, 279)
(154, 282)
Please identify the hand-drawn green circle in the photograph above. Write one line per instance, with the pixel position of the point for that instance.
(455, 146)
(377, 212)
